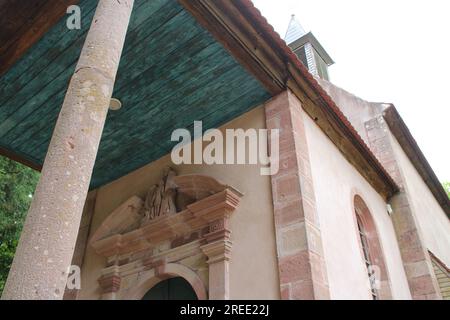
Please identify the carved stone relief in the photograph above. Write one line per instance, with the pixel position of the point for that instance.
(161, 198)
(183, 222)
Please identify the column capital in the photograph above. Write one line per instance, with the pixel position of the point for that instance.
(217, 251)
(110, 283)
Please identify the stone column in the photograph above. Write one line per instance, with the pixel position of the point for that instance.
(301, 264)
(82, 240)
(416, 260)
(217, 213)
(45, 250)
(218, 249)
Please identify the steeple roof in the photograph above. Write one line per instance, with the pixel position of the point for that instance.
(295, 30)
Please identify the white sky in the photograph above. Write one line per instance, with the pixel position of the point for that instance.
(386, 51)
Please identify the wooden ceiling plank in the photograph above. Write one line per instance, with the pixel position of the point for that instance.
(42, 56)
(22, 133)
(47, 16)
(209, 121)
(37, 92)
(14, 15)
(209, 22)
(40, 111)
(167, 96)
(232, 19)
(157, 61)
(41, 136)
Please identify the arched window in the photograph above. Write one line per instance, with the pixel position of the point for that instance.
(367, 259)
(371, 251)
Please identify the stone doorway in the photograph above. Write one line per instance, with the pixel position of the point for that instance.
(171, 289)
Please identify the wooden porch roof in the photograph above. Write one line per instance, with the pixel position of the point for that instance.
(184, 60)
(172, 72)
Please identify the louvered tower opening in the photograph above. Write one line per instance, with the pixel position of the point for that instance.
(308, 49)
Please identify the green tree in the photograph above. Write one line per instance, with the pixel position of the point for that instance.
(446, 186)
(17, 184)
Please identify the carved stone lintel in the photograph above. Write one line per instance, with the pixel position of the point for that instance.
(212, 212)
(157, 264)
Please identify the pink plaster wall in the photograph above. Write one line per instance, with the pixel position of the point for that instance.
(434, 225)
(357, 110)
(253, 265)
(336, 182)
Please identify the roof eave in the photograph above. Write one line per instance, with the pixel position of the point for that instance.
(247, 35)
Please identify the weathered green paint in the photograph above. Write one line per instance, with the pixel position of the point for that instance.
(43, 53)
(172, 73)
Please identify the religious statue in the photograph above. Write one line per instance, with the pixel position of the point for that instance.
(160, 200)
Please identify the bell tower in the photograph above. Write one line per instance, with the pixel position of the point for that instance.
(308, 49)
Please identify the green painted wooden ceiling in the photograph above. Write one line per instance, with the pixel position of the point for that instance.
(172, 72)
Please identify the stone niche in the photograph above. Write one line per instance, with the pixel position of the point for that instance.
(181, 229)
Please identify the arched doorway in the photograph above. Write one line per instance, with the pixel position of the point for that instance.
(167, 272)
(171, 289)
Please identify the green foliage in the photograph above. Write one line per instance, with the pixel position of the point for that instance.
(17, 184)
(446, 186)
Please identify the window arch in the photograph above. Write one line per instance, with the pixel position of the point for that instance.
(371, 251)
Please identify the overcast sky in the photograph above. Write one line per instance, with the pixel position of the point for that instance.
(393, 51)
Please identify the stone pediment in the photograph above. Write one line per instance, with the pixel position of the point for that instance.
(175, 207)
(123, 219)
(198, 187)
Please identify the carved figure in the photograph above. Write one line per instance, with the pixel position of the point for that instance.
(160, 200)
